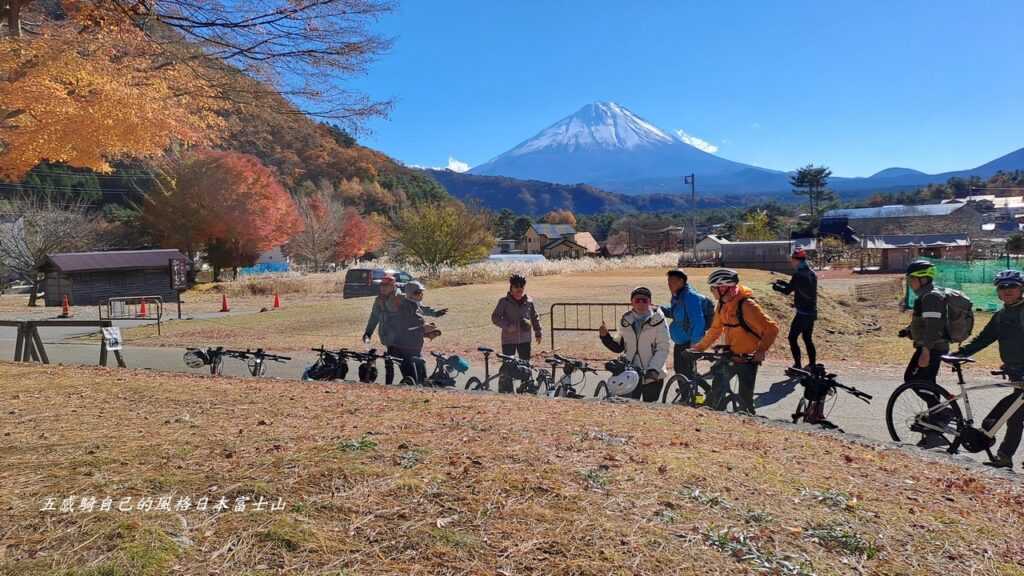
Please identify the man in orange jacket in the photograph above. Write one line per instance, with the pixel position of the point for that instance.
(748, 331)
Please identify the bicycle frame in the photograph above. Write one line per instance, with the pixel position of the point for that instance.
(968, 411)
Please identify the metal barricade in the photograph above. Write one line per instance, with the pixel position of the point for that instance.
(134, 308)
(584, 316)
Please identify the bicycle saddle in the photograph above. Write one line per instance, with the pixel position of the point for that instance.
(957, 359)
(485, 350)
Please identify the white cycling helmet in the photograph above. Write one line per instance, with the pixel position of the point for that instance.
(723, 277)
(623, 384)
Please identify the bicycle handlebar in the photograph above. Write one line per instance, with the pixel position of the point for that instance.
(829, 380)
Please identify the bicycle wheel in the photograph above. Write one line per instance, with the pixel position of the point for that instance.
(407, 381)
(601, 385)
(473, 383)
(680, 389)
(907, 414)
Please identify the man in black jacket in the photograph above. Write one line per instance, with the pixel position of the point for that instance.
(1007, 328)
(803, 285)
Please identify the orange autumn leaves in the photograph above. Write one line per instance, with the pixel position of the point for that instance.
(226, 198)
(84, 95)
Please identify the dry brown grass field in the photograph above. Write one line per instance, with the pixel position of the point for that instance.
(376, 480)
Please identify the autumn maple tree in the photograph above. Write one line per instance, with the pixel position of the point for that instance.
(227, 203)
(86, 81)
(358, 236)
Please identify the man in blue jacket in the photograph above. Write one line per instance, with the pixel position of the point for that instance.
(691, 314)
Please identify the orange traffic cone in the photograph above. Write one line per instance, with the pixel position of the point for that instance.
(224, 303)
(66, 308)
(143, 312)
(277, 300)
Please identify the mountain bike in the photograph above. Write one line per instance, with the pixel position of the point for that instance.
(687, 391)
(819, 385)
(255, 360)
(565, 387)
(512, 368)
(446, 369)
(908, 412)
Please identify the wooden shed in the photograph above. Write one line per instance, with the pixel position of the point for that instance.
(90, 278)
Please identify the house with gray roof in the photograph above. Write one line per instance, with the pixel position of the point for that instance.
(949, 218)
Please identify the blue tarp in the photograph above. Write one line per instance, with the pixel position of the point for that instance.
(264, 269)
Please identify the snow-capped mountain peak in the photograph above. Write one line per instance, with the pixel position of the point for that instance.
(601, 125)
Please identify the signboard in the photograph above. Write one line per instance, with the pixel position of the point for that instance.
(112, 336)
(179, 275)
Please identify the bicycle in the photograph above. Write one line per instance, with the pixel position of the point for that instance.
(945, 418)
(255, 361)
(819, 385)
(565, 387)
(446, 369)
(689, 390)
(511, 367)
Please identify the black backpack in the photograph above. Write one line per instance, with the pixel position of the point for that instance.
(739, 317)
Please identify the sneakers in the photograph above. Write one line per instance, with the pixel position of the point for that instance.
(1000, 461)
(932, 440)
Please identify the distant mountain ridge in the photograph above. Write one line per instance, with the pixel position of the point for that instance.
(534, 197)
(608, 146)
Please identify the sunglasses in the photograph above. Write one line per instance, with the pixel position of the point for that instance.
(416, 293)
(1007, 286)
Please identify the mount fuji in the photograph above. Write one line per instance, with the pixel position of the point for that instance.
(607, 145)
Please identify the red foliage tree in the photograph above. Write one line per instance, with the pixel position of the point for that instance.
(227, 202)
(358, 236)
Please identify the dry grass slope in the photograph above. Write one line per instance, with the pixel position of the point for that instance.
(389, 481)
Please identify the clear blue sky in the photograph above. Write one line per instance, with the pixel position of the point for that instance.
(856, 85)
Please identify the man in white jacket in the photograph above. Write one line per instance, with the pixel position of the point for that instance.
(643, 339)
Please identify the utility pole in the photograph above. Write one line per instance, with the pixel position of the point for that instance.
(691, 180)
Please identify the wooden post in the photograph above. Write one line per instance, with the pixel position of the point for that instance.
(19, 342)
(40, 349)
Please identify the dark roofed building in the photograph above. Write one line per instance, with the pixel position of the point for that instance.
(893, 253)
(90, 278)
(894, 220)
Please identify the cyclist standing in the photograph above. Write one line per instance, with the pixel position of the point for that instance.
(803, 285)
(383, 313)
(931, 341)
(1006, 327)
(517, 317)
(691, 313)
(747, 330)
(643, 339)
(410, 330)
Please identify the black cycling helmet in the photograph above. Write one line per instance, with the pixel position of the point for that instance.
(517, 280)
(1009, 278)
(921, 269)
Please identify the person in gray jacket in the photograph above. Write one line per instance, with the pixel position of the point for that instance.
(517, 317)
(410, 330)
(384, 314)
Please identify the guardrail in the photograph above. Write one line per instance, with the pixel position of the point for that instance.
(29, 346)
(581, 317)
(134, 308)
